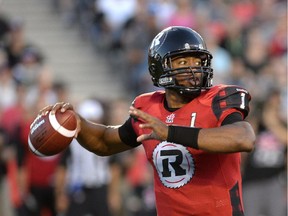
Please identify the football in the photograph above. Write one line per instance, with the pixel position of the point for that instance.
(52, 133)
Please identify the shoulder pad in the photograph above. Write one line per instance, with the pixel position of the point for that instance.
(145, 100)
(231, 97)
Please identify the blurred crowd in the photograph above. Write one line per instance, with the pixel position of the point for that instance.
(248, 40)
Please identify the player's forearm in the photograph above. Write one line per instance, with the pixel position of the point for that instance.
(100, 139)
(236, 137)
(90, 136)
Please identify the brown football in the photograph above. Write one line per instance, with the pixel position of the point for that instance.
(52, 133)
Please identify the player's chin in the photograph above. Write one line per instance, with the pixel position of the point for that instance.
(191, 84)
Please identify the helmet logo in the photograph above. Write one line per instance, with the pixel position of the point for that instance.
(156, 40)
(186, 46)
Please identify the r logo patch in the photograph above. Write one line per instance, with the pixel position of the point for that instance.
(174, 164)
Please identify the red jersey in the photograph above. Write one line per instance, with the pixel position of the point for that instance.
(188, 181)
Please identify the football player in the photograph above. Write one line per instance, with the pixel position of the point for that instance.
(192, 132)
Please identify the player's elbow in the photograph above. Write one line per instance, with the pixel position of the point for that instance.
(246, 137)
(102, 154)
(100, 150)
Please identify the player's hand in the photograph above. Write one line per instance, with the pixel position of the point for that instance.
(159, 129)
(62, 106)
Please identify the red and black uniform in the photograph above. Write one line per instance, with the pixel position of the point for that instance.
(40, 171)
(189, 181)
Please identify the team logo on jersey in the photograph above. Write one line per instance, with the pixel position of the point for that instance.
(170, 118)
(174, 164)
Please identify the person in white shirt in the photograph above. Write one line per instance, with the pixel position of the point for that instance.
(84, 177)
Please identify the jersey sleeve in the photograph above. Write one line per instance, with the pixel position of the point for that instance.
(231, 97)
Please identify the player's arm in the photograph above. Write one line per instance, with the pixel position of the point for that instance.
(100, 139)
(235, 137)
(232, 137)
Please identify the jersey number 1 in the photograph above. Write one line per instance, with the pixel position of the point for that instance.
(193, 119)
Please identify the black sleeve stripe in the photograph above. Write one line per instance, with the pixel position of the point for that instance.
(233, 117)
(127, 134)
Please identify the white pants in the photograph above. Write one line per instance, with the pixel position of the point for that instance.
(6, 208)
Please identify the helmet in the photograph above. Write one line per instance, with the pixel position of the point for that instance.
(179, 41)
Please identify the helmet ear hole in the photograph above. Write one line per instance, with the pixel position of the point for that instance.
(152, 69)
(155, 82)
(153, 72)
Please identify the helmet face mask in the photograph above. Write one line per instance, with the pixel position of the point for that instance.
(175, 42)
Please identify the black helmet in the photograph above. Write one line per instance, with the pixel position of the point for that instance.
(178, 41)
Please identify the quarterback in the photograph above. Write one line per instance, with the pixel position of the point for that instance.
(192, 132)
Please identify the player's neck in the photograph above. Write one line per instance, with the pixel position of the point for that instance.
(174, 100)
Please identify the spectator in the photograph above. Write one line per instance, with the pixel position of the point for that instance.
(184, 15)
(139, 197)
(265, 169)
(163, 10)
(136, 36)
(234, 39)
(256, 55)
(116, 12)
(4, 28)
(222, 62)
(6, 207)
(278, 45)
(7, 84)
(29, 66)
(16, 41)
(35, 174)
(115, 15)
(85, 175)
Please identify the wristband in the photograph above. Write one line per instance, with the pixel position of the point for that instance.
(186, 136)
